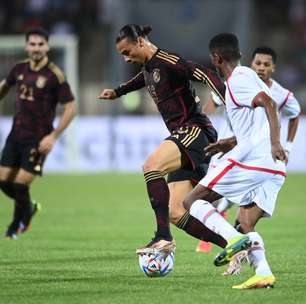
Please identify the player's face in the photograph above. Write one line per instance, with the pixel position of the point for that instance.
(37, 47)
(263, 65)
(131, 51)
(217, 61)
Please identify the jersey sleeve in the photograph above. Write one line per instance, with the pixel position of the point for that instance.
(243, 87)
(291, 107)
(12, 76)
(134, 84)
(64, 94)
(194, 71)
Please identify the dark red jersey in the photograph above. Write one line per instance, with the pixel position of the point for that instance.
(167, 78)
(38, 92)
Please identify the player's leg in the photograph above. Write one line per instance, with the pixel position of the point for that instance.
(248, 216)
(166, 158)
(23, 180)
(198, 202)
(222, 205)
(180, 217)
(7, 176)
(263, 205)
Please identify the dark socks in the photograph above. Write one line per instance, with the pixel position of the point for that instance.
(8, 188)
(158, 192)
(22, 197)
(195, 228)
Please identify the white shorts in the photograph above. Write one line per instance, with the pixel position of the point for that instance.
(244, 184)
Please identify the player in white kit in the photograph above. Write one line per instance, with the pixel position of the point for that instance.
(264, 64)
(252, 172)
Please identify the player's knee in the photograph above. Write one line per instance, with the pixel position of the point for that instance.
(151, 164)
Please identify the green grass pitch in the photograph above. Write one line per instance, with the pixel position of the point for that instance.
(81, 249)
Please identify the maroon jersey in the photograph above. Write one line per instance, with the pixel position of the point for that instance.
(38, 92)
(167, 78)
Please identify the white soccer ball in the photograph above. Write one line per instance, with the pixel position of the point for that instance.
(156, 264)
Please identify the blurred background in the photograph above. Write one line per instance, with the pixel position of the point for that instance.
(119, 135)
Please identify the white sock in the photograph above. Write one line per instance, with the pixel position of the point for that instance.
(257, 255)
(209, 216)
(224, 204)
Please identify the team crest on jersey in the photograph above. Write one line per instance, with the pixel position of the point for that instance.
(20, 77)
(41, 82)
(156, 75)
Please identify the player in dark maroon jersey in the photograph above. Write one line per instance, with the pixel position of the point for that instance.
(40, 85)
(167, 77)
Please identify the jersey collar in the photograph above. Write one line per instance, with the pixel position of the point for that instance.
(41, 64)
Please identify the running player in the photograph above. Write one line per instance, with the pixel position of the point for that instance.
(264, 64)
(167, 77)
(40, 85)
(253, 171)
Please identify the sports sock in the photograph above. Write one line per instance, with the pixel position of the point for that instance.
(223, 205)
(257, 255)
(22, 198)
(158, 192)
(8, 188)
(209, 216)
(195, 228)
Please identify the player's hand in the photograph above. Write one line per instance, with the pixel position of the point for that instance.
(278, 152)
(108, 94)
(222, 145)
(46, 144)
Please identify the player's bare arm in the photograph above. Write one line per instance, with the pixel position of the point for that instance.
(265, 101)
(47, 143)
(223, 145)
(292, 128)
(4, 88)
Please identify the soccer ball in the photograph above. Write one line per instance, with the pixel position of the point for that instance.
(156, 264)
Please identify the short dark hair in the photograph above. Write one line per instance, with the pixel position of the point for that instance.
(37, 31)
(227, 45)
(265, 50)
(133, 31)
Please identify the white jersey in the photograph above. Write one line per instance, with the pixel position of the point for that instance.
(250, 124)
(286, 102)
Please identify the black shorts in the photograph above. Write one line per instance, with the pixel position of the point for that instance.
(192, 175)
(23, 155)
(191, 140)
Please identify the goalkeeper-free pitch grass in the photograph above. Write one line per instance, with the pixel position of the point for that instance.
(81, 249)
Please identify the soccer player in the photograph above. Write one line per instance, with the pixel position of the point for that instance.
(264, 64)
(40, 86)
(253, 169)
(167, 77)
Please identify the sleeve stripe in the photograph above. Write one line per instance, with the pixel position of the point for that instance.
(169, 55)
(285, 101)
(132, 78)
(208, 81)
(57, 71)
(166, 58)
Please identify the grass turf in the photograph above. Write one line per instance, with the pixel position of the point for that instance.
(81, 249)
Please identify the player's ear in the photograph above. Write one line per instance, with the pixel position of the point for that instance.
(140, 41)
(219, 59)
(273, 68)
